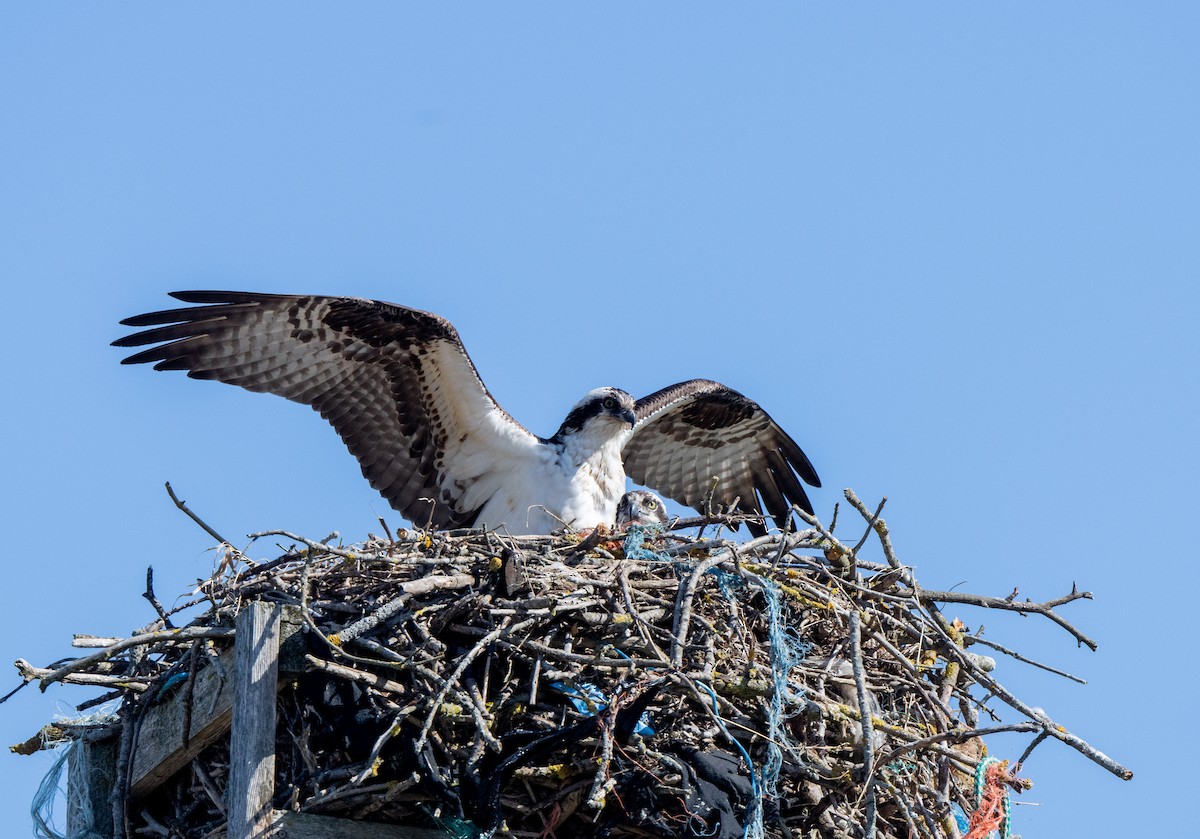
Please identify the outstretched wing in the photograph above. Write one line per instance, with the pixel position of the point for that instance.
(396, 384)
(691, 433)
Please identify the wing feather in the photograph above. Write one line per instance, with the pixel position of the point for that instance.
(395, 383)
(691, 432)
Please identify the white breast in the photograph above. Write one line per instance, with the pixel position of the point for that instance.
(577, 486)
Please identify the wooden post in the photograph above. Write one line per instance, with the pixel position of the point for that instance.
(252, 736)
(90, 775)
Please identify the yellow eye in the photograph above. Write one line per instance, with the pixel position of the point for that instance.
(651, 504)
(609, 402)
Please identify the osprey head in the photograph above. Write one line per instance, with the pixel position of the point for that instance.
(608, 410)
(640, 507)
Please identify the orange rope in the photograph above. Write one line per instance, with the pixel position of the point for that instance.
(992, 810)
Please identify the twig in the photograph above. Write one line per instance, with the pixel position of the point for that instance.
(480, 646)
(960, 736)
(188, 633)
(424, 585)
(683, 605)
(381, 683)
(877, 524)
(1028, 751)
(871, 519)
(29, 673)
(387, 531)
(975, 639)
(184, 507)
(149, 595)
(1024, 607)
(210, 789)
(1049, 726)
(312, 544)
(868, 733)
(189, 689)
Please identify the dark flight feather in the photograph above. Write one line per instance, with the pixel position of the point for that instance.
(395, 383)
(692, 432)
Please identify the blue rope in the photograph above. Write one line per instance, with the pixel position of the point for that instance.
(960, 818)
(635, 541)
(787, 650)
(173, 681)
(729, 584)
(589, 700)
(754, 814)
(42, 807)
(457, 828)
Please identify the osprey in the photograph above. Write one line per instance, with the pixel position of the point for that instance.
(401, 391)
(642, 507)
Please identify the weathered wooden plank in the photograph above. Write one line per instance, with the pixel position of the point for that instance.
(161, 750)
(252, 739)
(289, 825)
(90, 775)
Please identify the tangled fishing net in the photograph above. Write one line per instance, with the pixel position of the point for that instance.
(657, 683)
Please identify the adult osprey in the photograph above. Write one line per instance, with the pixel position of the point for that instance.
(398, 387)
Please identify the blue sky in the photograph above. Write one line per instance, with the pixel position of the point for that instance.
(951, 248)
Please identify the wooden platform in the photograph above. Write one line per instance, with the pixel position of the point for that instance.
(233, 697)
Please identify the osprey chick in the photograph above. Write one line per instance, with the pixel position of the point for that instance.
(642, 507)
(399, 388)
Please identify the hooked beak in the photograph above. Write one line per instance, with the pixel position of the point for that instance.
(629, 417)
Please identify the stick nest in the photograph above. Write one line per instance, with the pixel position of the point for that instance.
(652, 684)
